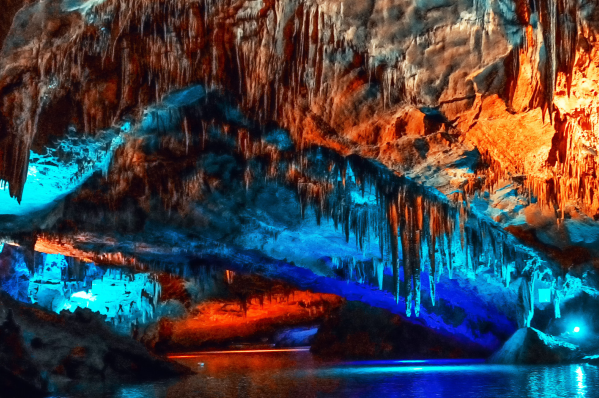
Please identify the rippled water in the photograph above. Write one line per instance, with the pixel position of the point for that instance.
(298, 374)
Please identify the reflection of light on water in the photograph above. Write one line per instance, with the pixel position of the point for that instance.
(134, 392)
(298, 375)
(199, 354)
(553, 381)
(408, 361)
(580, 380)
(433, 369)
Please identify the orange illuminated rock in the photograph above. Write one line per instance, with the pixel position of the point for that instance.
(261, 308)
(415, 87)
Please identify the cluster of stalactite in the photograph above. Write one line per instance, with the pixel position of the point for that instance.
(416, 230)
(145, 49)
(412, 227)
(559, 27)
(574, 171)
(487, 177)
(183, 37)
(571, 173)
(274, 56)
(571, 169)
(151, 48)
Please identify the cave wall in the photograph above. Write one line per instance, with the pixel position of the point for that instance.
(492, 106)
(355, 77)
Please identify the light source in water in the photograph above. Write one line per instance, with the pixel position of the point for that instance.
(576, 329)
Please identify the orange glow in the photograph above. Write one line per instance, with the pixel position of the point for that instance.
(199, 354)
(48, 245)
(65, 246)
(229, 275)
(219, 320)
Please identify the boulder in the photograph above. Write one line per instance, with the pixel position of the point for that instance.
(80, 345)
(531, 346)
(357, 330)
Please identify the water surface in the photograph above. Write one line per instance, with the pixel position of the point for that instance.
(299, 374)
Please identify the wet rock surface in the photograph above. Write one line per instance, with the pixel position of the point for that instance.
(77, 345)
(19, 374)
(360, 331)
(530, 346)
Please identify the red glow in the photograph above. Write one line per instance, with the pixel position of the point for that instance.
(199, 354)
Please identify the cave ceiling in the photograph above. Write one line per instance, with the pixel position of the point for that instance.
(326, 134)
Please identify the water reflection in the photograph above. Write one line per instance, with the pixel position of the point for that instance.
(580, 379)
(560, 381)
(299, 374)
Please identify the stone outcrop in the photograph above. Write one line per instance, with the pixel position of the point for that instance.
(77, 345)
(360, 331)
(19, 374)
(530, 346)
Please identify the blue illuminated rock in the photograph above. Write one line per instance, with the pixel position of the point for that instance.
(56, 173)
(125, 298)
(14, 273)
(296, 337)
(531, 346)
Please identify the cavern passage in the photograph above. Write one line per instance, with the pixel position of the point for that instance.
(299, 198)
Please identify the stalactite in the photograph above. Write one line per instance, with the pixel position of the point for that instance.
(180, 56)
(556, 288)
(379, 267)
(393, 216)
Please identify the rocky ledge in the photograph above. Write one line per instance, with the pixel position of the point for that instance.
(38, 347)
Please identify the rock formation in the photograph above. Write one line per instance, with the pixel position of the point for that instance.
(76, 345)
(530, 346)
(427, 149)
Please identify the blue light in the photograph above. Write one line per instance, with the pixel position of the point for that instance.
(434, 369)
(576, 329)
(126, 127)
(414, 361)
(50, 177)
